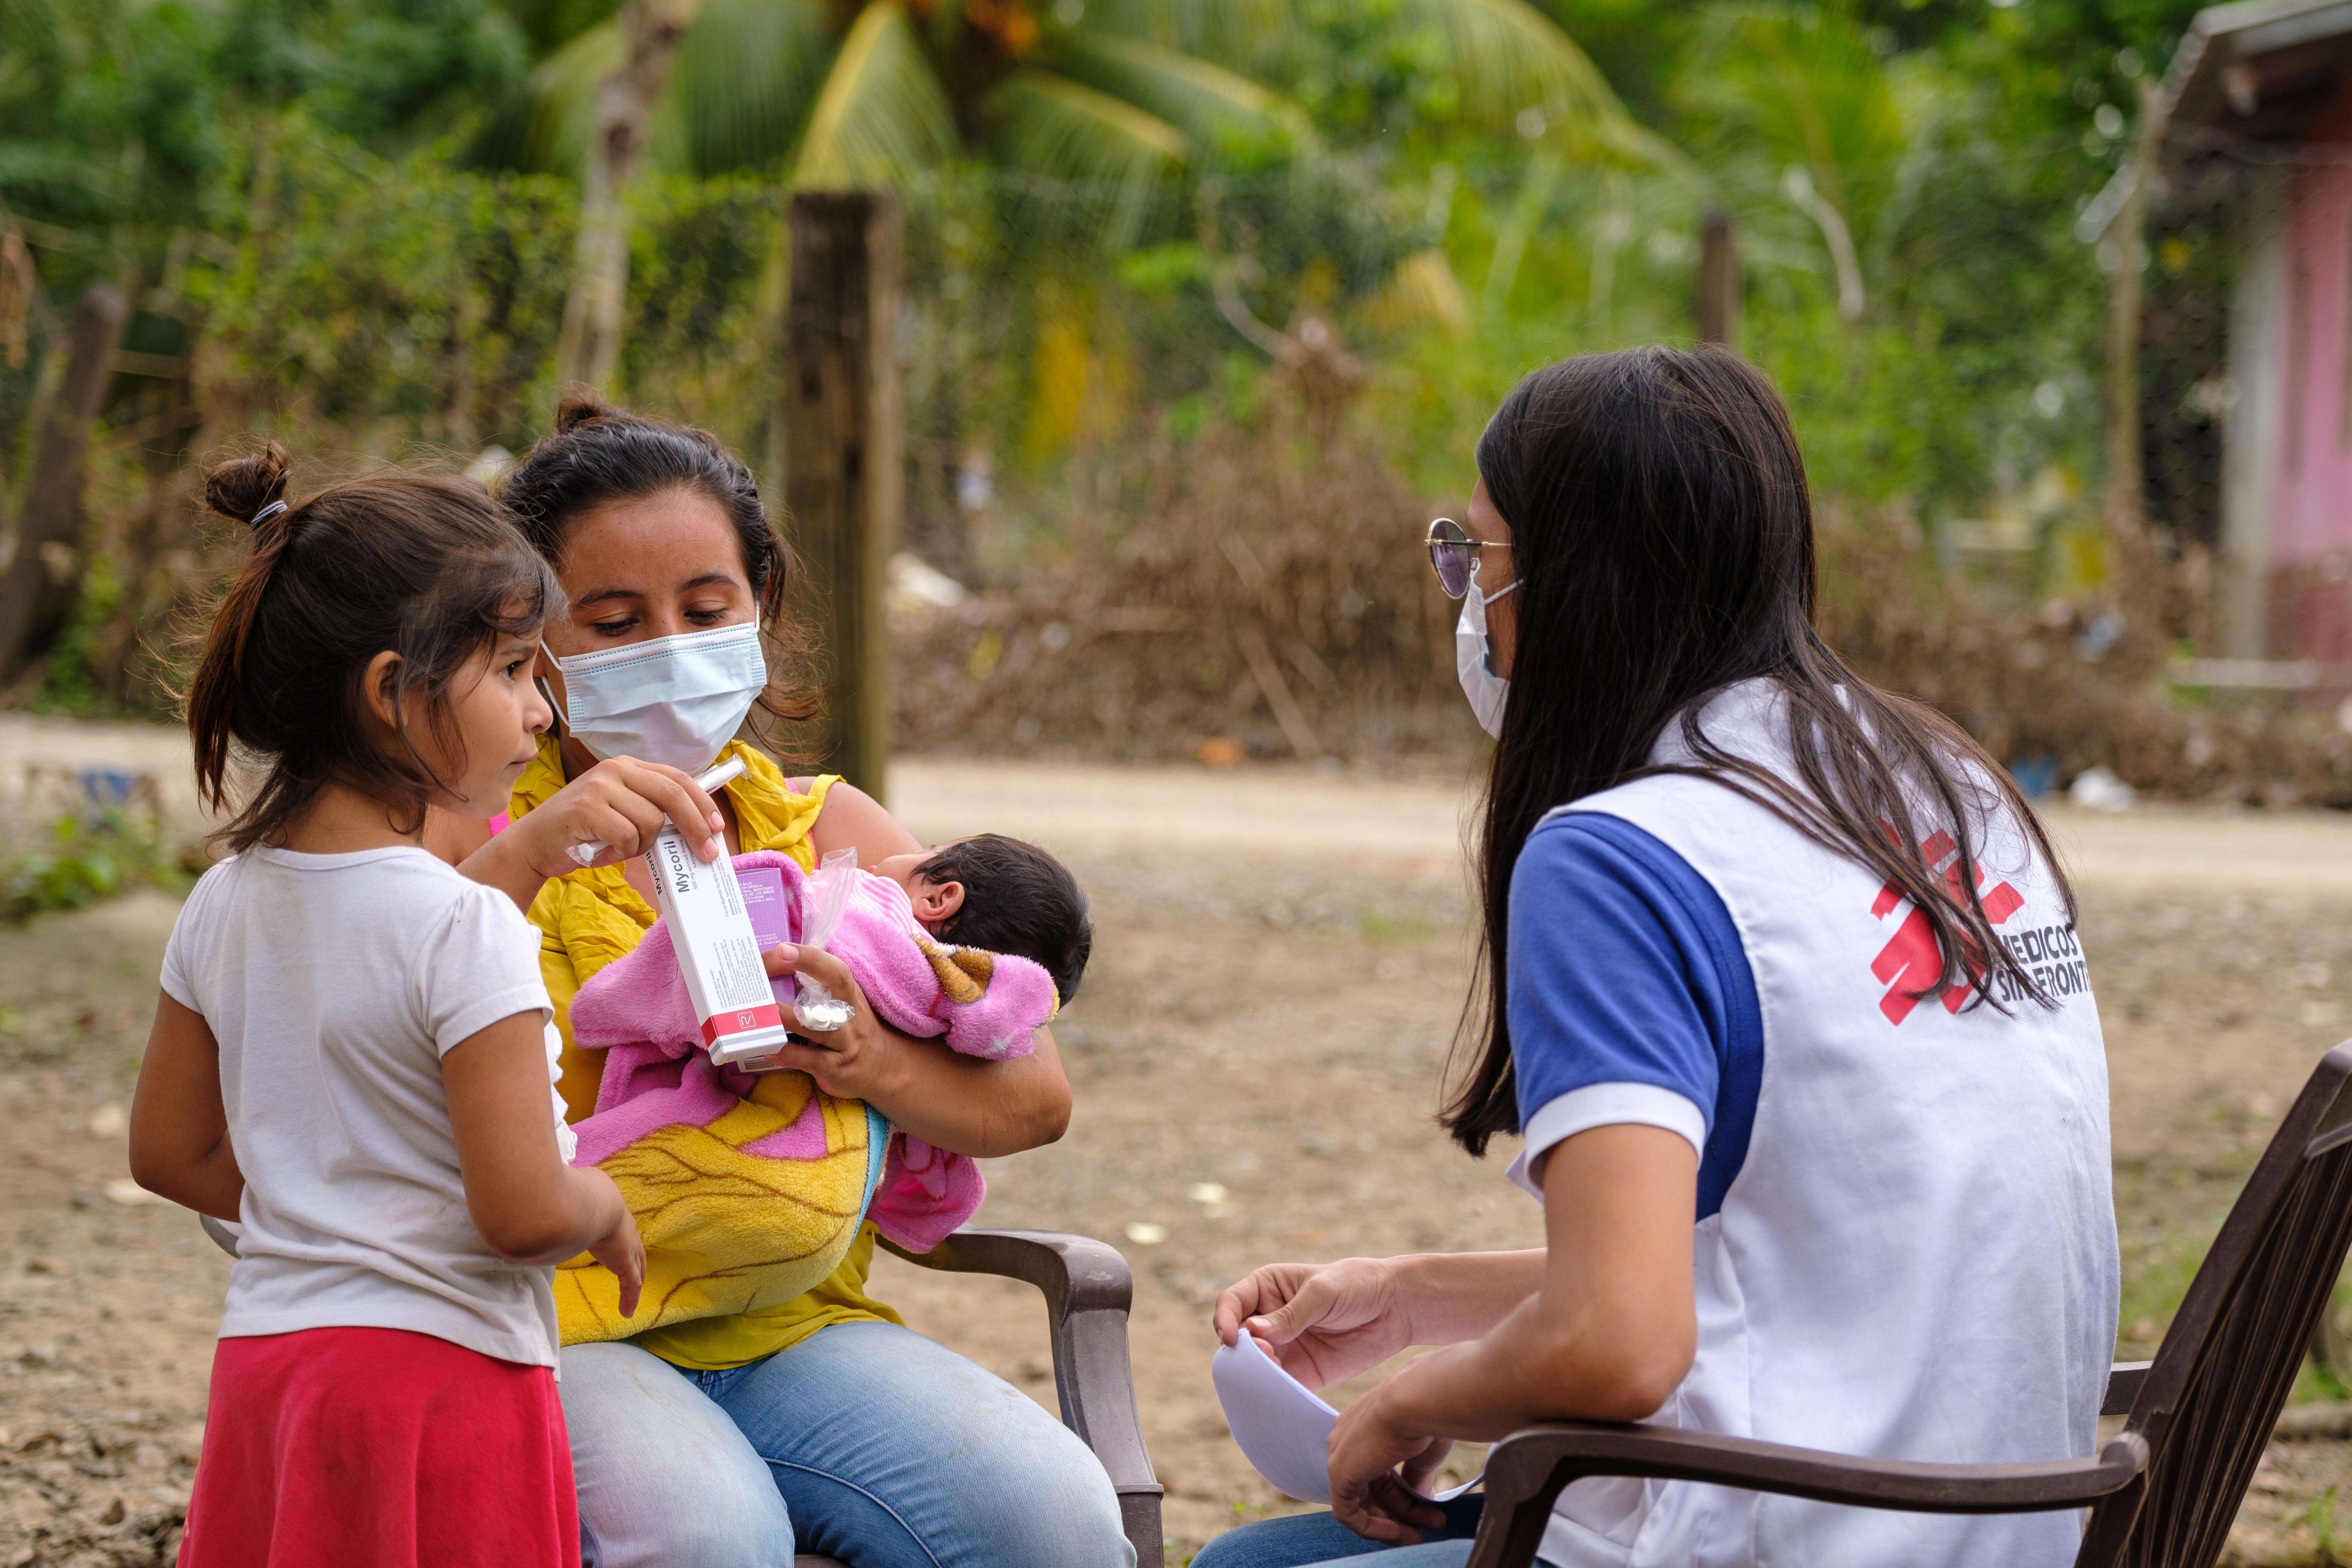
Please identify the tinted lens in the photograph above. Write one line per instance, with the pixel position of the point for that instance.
(1450, 553)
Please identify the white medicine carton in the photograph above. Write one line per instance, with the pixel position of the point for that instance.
(716, 952)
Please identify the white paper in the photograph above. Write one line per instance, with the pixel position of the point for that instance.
(1282, 1426)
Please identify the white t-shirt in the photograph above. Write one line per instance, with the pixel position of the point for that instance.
(334, 984)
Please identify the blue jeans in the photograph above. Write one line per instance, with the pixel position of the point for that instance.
(1304, 1540)
(865, 1442)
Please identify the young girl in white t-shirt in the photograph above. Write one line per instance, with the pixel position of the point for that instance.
(351, 1058)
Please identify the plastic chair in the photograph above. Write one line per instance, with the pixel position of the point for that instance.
(1088, 1290)
(2163, 1491)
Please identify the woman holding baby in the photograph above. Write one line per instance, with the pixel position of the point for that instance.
(1820, 1161)
(765, 1402)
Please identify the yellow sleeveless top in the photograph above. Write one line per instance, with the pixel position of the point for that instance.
(588, 919)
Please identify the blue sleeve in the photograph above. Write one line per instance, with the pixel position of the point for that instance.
(1625, 967)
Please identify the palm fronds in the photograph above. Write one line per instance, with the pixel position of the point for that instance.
(1232, 31)
(550, 123)
(1517, 68)
(1066, 129)
(882, 114)
(745, 74)
(1206, 103)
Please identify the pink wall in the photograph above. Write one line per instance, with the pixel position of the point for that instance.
(2311, 519)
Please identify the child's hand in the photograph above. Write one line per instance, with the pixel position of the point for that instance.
(621, 803)
(624, 1252)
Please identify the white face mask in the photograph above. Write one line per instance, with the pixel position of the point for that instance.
(1474, 660)
(674, 701)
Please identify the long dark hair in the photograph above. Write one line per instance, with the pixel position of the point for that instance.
(597, 453)
(428, 567)
(1662, 538)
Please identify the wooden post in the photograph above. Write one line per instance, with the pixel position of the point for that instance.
(34, 600)
(1719, 279)
(844, 453)
(2126, 498)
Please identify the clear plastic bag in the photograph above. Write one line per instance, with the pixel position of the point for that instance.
(817, 1010)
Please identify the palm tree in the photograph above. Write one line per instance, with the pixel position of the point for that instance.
(1803, 109)
(1118, 94)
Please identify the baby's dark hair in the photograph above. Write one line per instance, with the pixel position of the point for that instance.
(1016, 899)
(426, 566)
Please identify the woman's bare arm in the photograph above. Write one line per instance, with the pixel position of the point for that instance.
(1612, 1332)
(852, 820)
(180, 1146)
(1608, 1336)
(1325, 1322)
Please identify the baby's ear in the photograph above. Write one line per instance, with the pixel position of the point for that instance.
(937, 901)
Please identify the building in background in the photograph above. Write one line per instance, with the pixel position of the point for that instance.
(2259, 140)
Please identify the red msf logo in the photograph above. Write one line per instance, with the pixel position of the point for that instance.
(1909, 963)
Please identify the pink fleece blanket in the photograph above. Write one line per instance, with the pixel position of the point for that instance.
(635, 1009)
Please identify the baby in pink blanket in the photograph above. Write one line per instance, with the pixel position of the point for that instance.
(979, 941)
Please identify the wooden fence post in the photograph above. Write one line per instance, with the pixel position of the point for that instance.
(1718, 280)
(844, 453)
(34, 601)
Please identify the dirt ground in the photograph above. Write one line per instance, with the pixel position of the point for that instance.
(1280, 959)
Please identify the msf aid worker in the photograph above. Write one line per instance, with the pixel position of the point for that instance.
(1823, 1153)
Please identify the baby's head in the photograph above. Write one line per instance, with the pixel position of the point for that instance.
(998, 893)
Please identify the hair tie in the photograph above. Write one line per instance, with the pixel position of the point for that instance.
(265, 514)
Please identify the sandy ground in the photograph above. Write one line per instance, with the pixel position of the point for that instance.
(1281, 957)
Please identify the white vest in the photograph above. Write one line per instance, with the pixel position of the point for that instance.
(1917, 1258)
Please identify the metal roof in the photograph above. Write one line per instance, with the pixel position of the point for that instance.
(2247, 76)
(2255, 71)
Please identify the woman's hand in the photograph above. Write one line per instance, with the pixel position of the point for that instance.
(1324, 1322)
(858, 1061)
(1378, 1468)
(963, 1105)
(622, 804)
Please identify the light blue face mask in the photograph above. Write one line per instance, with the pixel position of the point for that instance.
(1474, 660)
(674, 701)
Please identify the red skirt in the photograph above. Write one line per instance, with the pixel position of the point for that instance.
(378, 1448)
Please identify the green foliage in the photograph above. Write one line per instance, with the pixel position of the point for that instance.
(320, 202)
(552, 24)
(2320, 1516)
(92, 857)
(109, 108)
(401, 58)
(74, 683)
(114, 111)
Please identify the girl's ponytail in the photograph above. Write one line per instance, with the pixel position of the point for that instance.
(252, 490)
(247, 487)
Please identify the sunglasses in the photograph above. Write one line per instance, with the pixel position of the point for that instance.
(1455, 554)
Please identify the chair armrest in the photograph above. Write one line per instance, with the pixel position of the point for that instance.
(1077, 1273)
(2124, 1379)
(1525, 1471)
(1088, 1290)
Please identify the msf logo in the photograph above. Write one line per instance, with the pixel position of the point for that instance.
(1910, 964)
